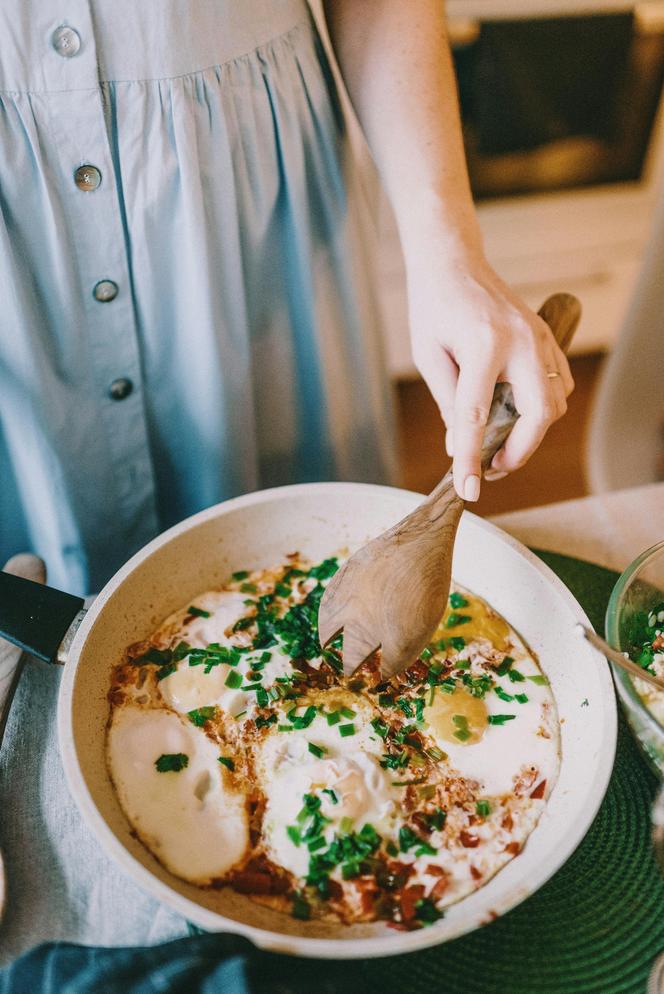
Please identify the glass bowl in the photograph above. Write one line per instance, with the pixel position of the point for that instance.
(638, 589)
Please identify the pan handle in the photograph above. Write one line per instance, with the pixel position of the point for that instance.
(35, 617)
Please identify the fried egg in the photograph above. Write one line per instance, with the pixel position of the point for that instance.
(192, 818)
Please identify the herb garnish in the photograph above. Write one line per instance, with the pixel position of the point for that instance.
(227, 762)
(197, 612)
(171, 762)
(199, 716)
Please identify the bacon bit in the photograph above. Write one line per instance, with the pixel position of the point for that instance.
(438, 889)
(658, 644)
(434, 870)
(409, 898)
(469, 840)
(514, 848)
(525, 780)
(335, 890)
(475, 873)
(369, 891)
(420, 820)
(247, 882)
(416, 673)
(539, 789)
(508, 822)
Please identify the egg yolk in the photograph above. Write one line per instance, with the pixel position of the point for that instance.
(457, 717)
(476, 620)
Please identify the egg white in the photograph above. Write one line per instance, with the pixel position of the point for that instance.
(193, 820)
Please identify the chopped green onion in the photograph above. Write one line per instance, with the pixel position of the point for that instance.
(332, 794)
(521, 698)
(455, 619)
(227, 762)
(502, 694)
(457, 600)
(198, 612)
(317, 751)
(500, 719)
(539, 679)
(300, 908)
(515, 676)
(294, 835)
(233, 680)
(333, 718)
(346, 824)
(504, 666)
(483, 809)
(460, 720)
(171, 762)
(346, 730)
(241, 574)
(462, 734)
(348, 713)
(380, 727)
(199, 716)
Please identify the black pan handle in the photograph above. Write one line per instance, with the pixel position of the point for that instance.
(35, 617)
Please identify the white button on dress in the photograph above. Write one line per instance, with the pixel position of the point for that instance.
(66, 41)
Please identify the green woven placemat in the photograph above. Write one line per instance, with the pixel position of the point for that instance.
(594, 928)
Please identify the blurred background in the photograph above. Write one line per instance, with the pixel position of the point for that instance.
(561, 102)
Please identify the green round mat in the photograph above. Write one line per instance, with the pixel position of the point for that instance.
(594, 928)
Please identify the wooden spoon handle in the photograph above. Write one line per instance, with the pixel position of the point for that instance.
(562, 312)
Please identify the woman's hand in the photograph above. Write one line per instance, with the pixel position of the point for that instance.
(468, 332)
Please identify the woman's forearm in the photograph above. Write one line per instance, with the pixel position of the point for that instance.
(468, 328)
(395, 60)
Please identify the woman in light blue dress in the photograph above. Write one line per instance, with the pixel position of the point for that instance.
(185, 308)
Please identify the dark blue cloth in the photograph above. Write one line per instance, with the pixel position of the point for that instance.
(204, 964)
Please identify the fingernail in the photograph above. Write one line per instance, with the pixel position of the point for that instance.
(494, 474)
(471, 488)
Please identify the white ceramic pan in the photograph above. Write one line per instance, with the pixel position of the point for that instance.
(317, 520)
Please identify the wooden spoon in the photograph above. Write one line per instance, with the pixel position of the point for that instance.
(11, 664)
(392, 593)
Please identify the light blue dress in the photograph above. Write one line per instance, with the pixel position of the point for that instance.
(185, 305)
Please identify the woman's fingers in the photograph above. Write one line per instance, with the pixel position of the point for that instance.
(473, 401)
(540, 400)
(440, 373)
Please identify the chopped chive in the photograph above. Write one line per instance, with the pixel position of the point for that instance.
(240, 574)
(426, 911)
(460, 720)
(386, 701)
(515, 676)
(294, 835)
(233, 680)
(332, 794)
(462, 734)
(261, 722)
(457, 642)
(500, 719)
(284, 728)
(502, 694)
(521, 698)
(248, 588)
(346, 730)
(171, 762)
(348, 713)
(240, 714)
(300, 908)
(262, 698)
(317, 751)
(333, 718)
(392, 849)
(455, 619)
(539, 679)
(346, 824)
(198, 612)
(426, 654)
(227, 762)
(316, 843)
(483, 809)
(380, 727)
(457, 600)
(199, 716)
(504, 666)
(166, 670)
